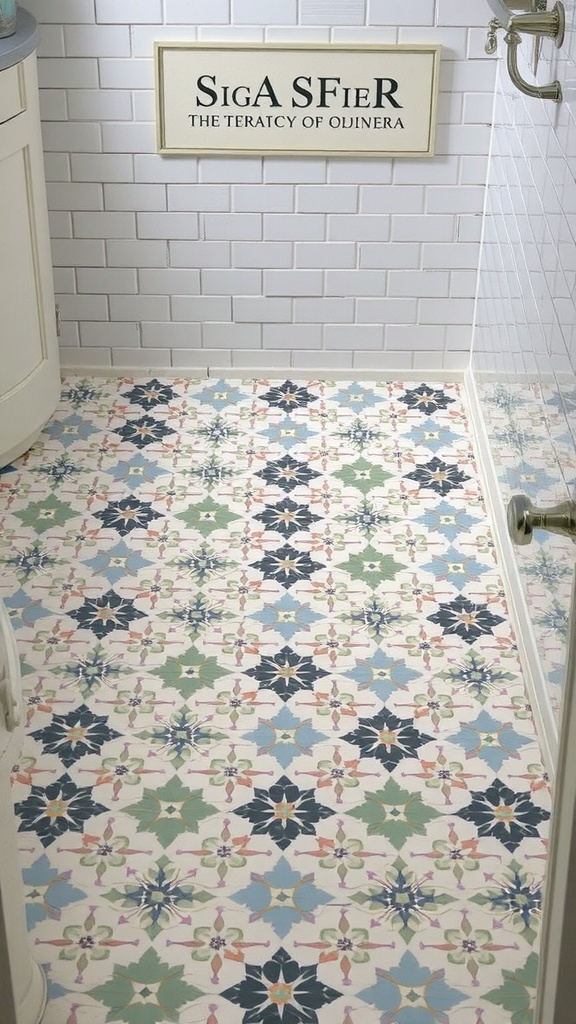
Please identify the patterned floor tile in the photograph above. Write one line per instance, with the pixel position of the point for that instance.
(534, 453)
(280, 767)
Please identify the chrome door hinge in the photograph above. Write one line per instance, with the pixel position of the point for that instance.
(58, 320)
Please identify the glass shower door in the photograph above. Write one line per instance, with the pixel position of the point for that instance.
(556, 989)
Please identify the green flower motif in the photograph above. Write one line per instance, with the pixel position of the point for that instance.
(410, 543)
(224, 773)
(395, 813)
(522, 709)
(170, 811)
(207, 516)
(235, 704)
(456, 855)
(470, 947)
(207, 942)
(190, 672)
(362, 475)
(107, 851)
(216, 853)
(147, 642)
(464, 943)
(120, 771)
(372, 566)
(146, 992)
(217, 945)
(135, 702)
(150, 588)
(346, 852)
(440, 705)
(86, 942)
(40, 516)
(517, 994)
(355, 945)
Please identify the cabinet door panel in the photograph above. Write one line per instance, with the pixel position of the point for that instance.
(21, 317)
(29, 371)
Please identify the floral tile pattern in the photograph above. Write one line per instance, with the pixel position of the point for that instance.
(534, 453)
(279, 767)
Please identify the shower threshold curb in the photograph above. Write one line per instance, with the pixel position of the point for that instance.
(546, 725)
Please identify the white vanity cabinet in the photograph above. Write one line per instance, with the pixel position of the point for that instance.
(29, 367)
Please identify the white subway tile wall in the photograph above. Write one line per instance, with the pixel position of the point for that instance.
(526, 311)
(304, 263)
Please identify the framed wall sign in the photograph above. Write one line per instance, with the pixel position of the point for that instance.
(251, 98)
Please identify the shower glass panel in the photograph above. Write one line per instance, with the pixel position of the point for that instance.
(524, 349)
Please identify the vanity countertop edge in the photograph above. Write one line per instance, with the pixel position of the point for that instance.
(17, 47)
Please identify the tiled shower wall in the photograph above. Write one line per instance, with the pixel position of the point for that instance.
(524, 357)
(526, 318)
(311, 264)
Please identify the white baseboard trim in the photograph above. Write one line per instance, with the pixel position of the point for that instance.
(545, 721)
(263, 373)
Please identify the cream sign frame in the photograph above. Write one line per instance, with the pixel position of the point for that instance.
(250, 98)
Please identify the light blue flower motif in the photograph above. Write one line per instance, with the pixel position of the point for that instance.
(566, 439)
(136, 471)
(358, 397)
(220, 394)
(557, 675)
(287, 433)
(282, 897)
(117, 562)
(287, 617)
(23, 610)
(564, 401)
(285, 736)
(456, 567)
(494, 742)
(532, 480)
(447, 520)
(47, 891)
(69, 430)
(411, 994)
(432, 435)
(381, 674)
(54, 989)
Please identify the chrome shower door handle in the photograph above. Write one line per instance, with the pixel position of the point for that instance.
(524, 518)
